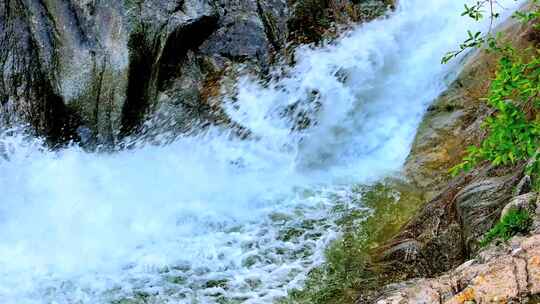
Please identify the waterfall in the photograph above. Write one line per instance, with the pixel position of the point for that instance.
(181, 221)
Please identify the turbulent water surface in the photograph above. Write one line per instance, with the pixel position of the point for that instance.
(211, 218)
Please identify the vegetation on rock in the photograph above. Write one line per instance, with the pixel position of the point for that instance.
(348, 268)
(514, 128)
(311, 20)
(515, 222)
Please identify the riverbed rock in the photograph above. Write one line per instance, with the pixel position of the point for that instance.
(479, 204)
(446, 232)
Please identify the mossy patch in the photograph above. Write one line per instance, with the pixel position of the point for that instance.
(138, 298)
(515, 222)
(180, 280)
(390, 204)
(219, 283)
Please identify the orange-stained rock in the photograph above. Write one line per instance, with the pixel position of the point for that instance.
(504, 274)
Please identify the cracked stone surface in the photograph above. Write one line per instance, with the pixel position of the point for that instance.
(506, 274)
(445, 233)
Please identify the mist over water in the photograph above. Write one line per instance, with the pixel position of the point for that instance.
(211, 215)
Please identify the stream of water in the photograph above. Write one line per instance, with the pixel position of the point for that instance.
(213, 218)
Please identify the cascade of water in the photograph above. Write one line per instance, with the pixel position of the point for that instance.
(181, 221)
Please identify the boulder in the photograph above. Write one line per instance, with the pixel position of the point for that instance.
(525, 202)
(84, 70)
(447, 230)
(479, 205)
(509, 274)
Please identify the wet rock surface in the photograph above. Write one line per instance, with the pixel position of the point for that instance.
(427, 261)
(95, 71)
(446, 232)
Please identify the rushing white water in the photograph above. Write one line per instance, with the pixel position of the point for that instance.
(211, 217)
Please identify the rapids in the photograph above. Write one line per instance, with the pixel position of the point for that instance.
(211, 217)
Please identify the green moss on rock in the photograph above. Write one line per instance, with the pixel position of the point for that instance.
(515, 222)
(348, 267)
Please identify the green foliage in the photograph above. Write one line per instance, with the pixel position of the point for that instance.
(477, 39)
(515, 222)
(474, 40)
(514, 95)
(533, 170)
(480, 39)
(529, 16)
(513, 136)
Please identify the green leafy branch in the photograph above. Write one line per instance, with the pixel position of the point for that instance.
(477, 12)
(514, 95)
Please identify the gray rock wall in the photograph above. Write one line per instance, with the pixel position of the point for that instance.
(95, 70)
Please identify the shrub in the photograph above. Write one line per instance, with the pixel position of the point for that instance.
(515, 222)
(514, 95)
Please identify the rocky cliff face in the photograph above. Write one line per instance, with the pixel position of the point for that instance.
(442, 241)
(505, 274)
(96, 70)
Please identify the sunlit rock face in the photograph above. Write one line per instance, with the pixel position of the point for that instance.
(95, 71)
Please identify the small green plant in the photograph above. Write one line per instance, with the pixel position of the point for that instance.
(513, 134)
(515, 222)
(477, 11)
(514, 95)
(533, 170)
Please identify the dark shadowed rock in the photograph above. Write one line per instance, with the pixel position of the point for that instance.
(311, 20)
(95, 71)
(249, 30)
(29, 55)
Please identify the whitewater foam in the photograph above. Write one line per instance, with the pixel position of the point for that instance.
(211, 216)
